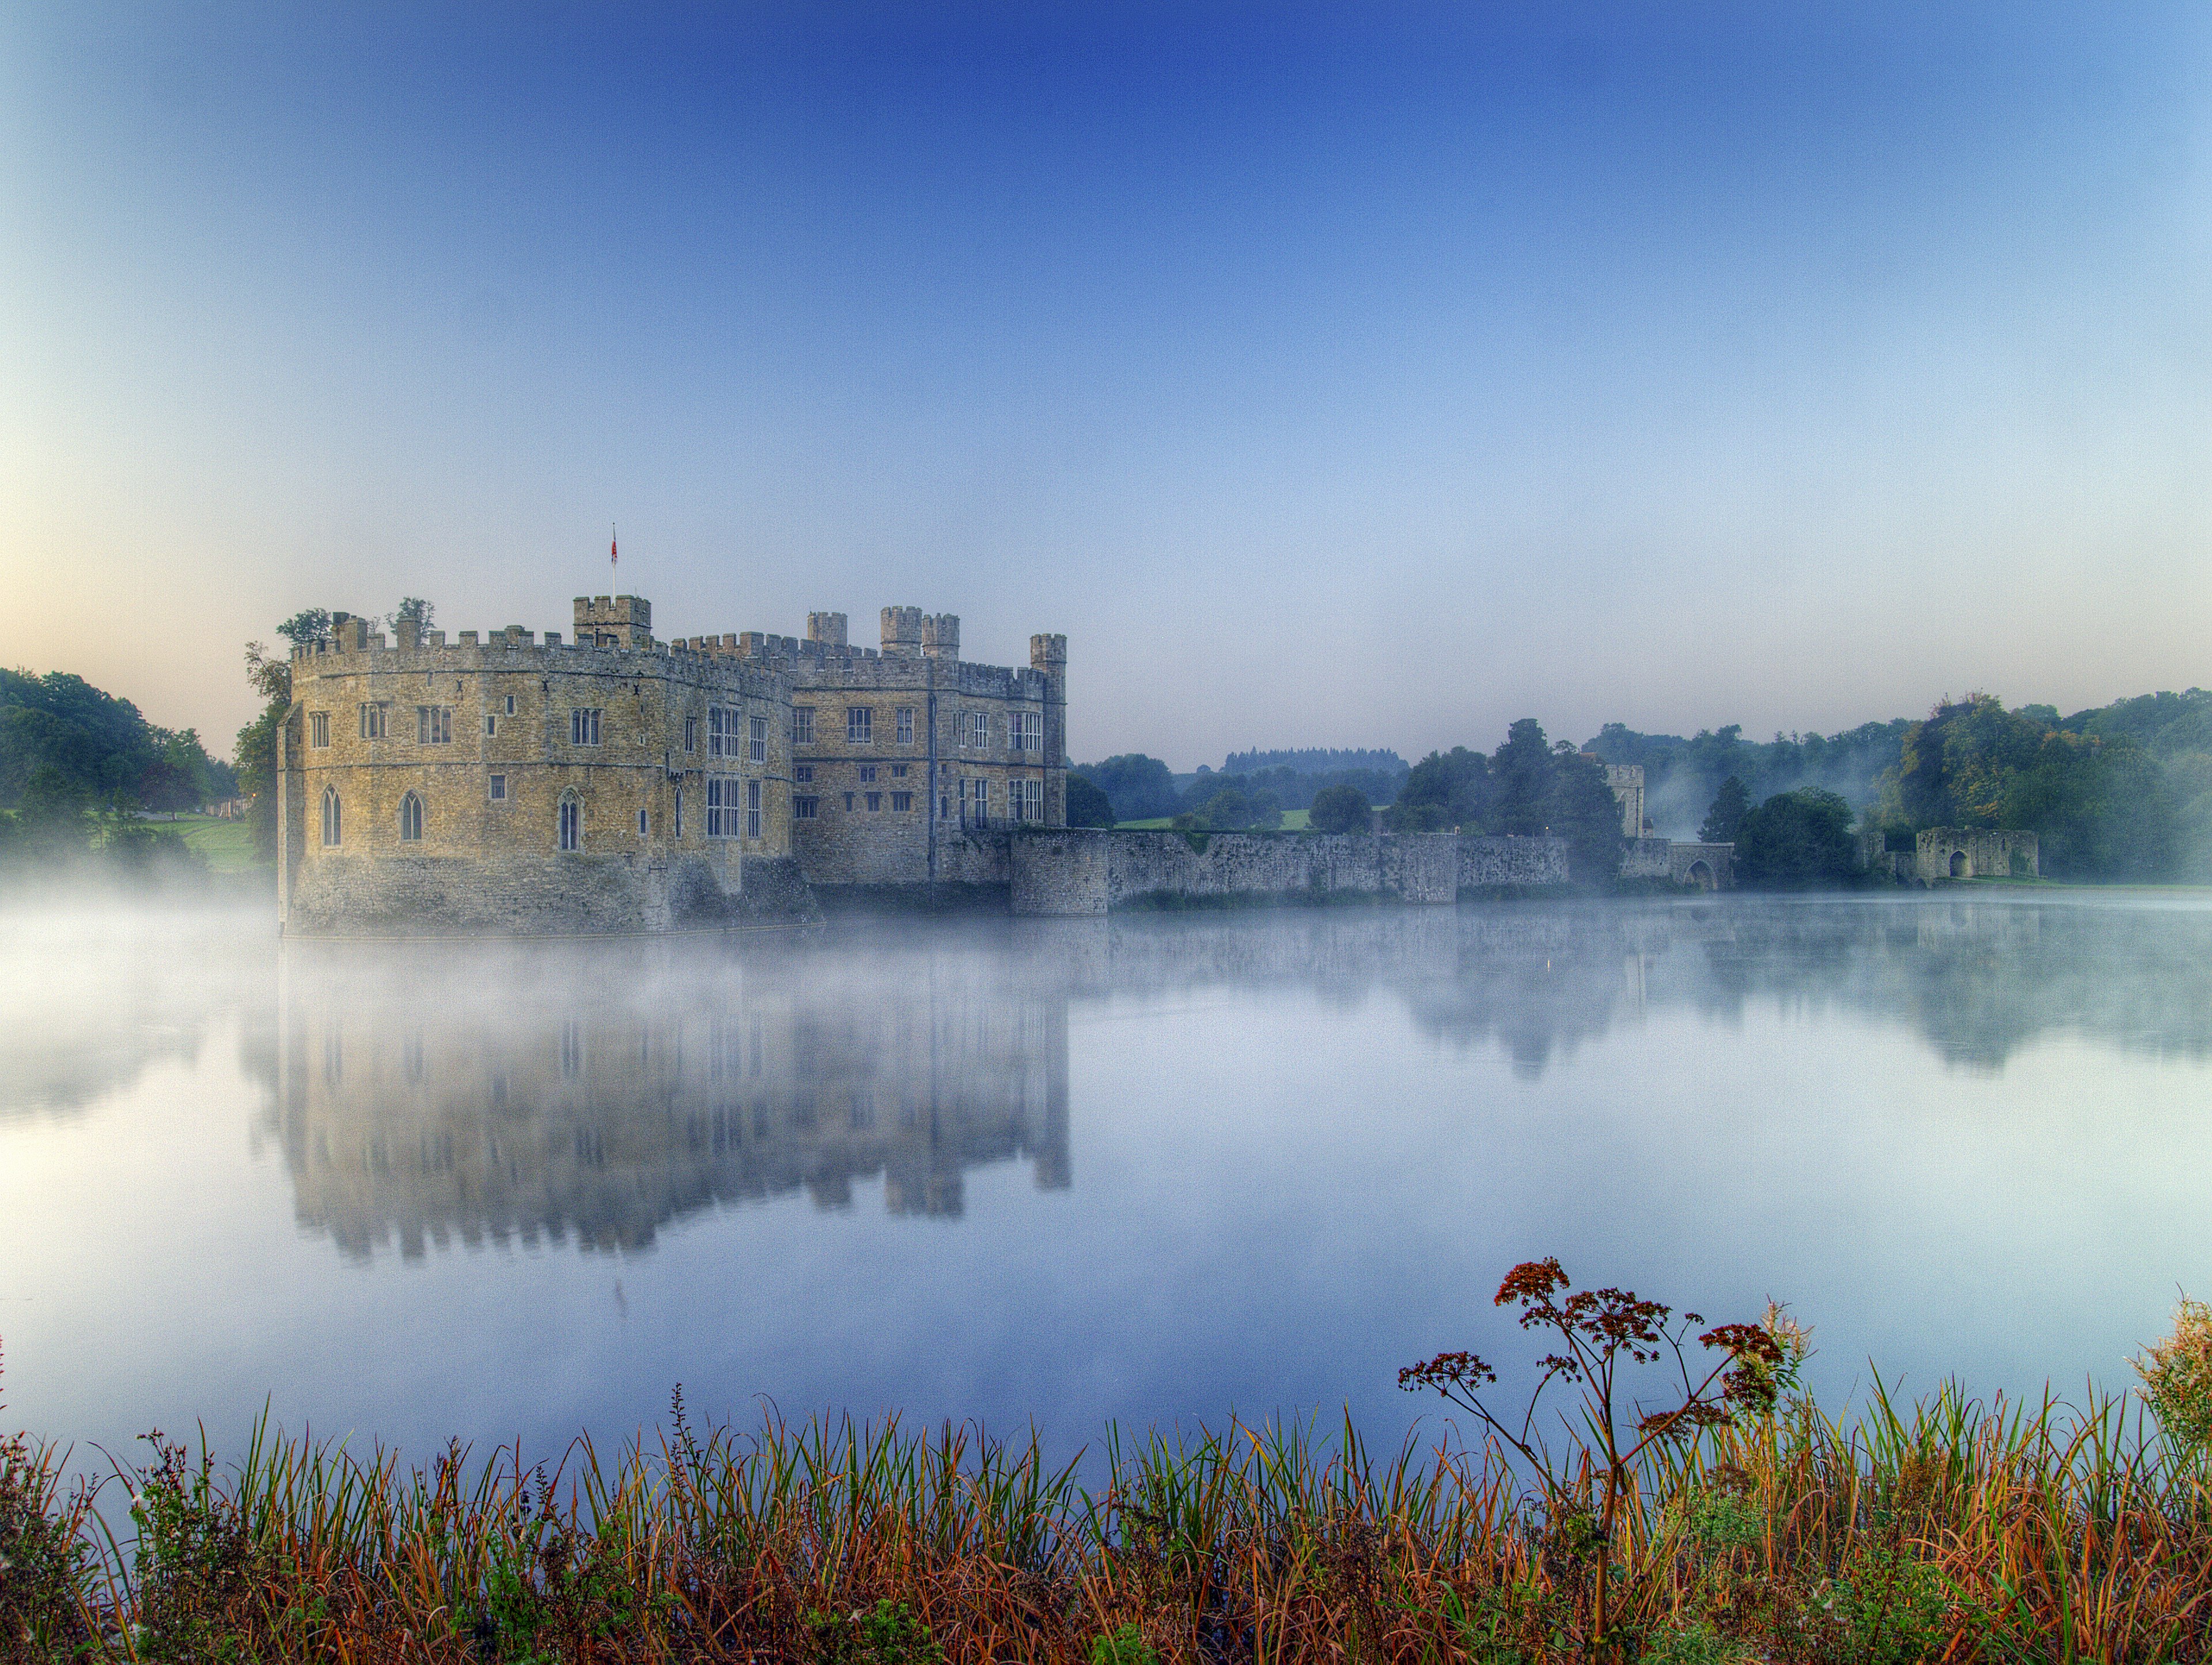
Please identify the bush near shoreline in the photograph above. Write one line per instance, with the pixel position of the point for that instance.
(1948, 1530)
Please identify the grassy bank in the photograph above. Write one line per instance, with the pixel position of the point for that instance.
(1947, 1530)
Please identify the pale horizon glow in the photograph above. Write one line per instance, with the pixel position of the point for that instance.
(1327, 380)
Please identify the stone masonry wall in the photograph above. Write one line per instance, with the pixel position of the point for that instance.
(1083, 871)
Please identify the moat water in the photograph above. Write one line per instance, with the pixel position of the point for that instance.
(1053, 1174)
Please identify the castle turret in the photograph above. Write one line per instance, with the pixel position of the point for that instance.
(620, 621)
(828, 628)
(940, 635)
(902, 633)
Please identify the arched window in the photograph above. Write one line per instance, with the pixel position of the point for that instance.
(330, 815)
(410, 819)
(572, 823)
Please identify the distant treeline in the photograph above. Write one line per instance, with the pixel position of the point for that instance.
(64, 741)
(1137, 788)
(1317, 760)
(2116, 791)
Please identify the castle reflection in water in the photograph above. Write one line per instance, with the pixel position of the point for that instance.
(533, 1093)
(429, 1094)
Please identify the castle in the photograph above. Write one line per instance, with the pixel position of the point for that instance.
(615, 782)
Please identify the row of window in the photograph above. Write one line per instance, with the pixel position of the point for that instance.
(1024, 801)
(733, 810)
(1025, 729)
(434, 726)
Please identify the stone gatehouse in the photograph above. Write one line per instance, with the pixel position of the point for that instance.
(497, 782)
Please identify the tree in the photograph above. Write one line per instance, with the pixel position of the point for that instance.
(1580, 807)
(1229, 810)
(257, 742)
(412, 610)
(2100, 809)
(1797, 839)
(1087, 806)
(307, 627)
(1139, 788)
(1339, 810)
(1953, 765)
(1523, 770)
(1725, 820)
(1444, 791)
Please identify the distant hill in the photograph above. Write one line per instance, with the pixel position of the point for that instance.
(1314, 760)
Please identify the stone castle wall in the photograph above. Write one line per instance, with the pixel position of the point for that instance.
(453, 786)
(1942, 853)
(1079, 872)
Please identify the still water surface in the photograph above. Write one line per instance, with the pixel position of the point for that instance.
(1056, 1173)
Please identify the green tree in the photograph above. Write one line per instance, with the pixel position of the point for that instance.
(1724, 820)
(2100, 809)
(1339, 810)
(412, 610)
(1139, 788)
(1580, 807)
(1228, 810)
(1087, 806)
(307, 627)
(52, 813)
(1523, 767)
(1798, 839)
(1954, 766)
(257, 742)
(1444, 791)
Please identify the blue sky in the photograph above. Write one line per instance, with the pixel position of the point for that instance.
(1327, 378)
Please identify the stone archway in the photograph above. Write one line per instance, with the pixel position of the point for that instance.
(1700, 875)
(1958, 864)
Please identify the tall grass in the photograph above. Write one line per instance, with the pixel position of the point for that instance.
(1947, 1528)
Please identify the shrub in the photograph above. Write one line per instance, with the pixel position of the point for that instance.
(887, 1636)
(2178, 1377)
(1339, 810)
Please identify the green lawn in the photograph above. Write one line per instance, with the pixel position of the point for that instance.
(226, 846)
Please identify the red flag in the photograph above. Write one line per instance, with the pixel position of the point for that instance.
(614, 549)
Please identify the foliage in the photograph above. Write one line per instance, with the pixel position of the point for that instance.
(101, 745)
(308, 627)
(2100, 809)
(1231, 811)
(1126, 1646)
(1443, 791)
(1580, 807)
(2176, 1375)
(1724, 821)
(271, 677)
(1797, 839)
(1680, 775)
(1953, 767)
(412, 610)
(1087, 806)
(1339, 810)
(1140, 788)
(885, 1635)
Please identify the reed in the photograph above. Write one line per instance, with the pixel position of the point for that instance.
(1745, 1523)
(1947, 1528)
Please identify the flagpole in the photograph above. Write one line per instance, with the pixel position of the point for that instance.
(614, 558)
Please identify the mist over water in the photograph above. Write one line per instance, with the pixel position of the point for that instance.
(1153, 1169)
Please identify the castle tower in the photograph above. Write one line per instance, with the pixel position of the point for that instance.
(620, 621)
(828, 628)
(940, 635)
(902, 633)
